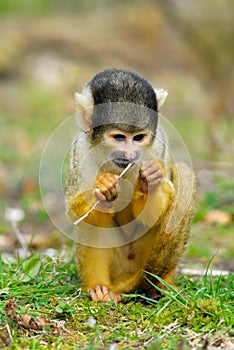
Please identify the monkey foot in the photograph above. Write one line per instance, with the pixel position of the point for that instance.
(101, 294)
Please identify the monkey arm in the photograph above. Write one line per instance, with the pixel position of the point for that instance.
(80, 204)
(150, 208)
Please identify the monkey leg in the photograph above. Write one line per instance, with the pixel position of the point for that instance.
(105, 273)
(93, 266)
(163, 261)
(94, 273)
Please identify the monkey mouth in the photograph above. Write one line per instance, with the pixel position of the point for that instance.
(121, 162)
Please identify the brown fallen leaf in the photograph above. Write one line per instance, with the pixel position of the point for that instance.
(11, 309)
(25, 320)
(218, 216)
(5, 336)
(29, 185)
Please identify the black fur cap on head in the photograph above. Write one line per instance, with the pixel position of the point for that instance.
(125, 94)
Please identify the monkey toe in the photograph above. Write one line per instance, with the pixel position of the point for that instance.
(101, 294)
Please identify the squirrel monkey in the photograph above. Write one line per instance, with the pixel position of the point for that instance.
(149, 211)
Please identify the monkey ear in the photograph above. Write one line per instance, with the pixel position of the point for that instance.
(85, 109)
(161, 96)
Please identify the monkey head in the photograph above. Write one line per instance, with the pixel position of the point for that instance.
(120, 109)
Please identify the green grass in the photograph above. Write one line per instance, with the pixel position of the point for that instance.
(48, 287)
(49, 7)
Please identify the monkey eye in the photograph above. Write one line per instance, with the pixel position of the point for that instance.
(119, 137)
(139, 137)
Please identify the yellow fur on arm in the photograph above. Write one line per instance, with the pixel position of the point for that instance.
(150, 208)
(80, 204)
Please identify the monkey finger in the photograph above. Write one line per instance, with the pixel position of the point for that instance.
(107, 295)
(99, 194)
(113, 178)
(155, 176)
(152, 165)
(152, 170)
(96, 294)
(99, 293)
(107, 184)
(103, 183)
(108, 179)
(105, 196)
(93, 295)
(146, 164)
(110, 186)
(110, 193)
(106, 193)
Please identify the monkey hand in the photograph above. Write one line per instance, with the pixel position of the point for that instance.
(151, 175)
(106, 187)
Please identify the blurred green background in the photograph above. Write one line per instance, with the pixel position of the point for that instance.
(49, 49)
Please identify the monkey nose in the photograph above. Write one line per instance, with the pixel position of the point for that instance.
(133, 156)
